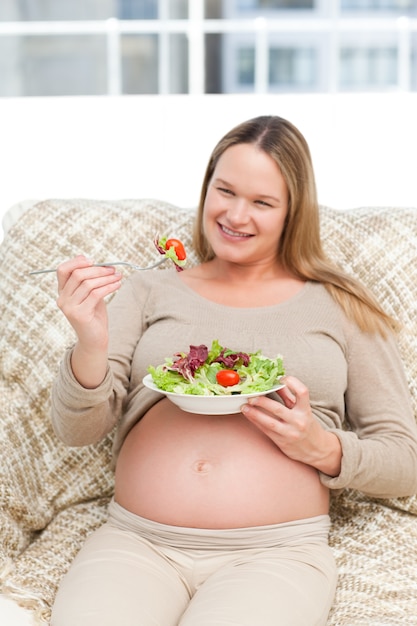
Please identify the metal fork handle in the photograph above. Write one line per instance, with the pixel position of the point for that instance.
(109, 264)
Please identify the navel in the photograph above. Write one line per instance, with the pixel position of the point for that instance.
(202, 466)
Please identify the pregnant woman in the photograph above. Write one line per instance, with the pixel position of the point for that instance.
(224, 520)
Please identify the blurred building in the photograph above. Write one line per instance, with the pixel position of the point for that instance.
(350, 45)
(89, 47)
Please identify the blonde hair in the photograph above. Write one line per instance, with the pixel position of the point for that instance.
(300, 246)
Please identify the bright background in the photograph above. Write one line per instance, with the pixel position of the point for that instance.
(363, 145)
(126, 98)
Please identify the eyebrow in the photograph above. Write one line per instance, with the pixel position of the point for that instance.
(261, 196)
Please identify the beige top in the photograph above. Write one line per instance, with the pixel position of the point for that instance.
(356, 380)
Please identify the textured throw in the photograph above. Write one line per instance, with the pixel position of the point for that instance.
(52, 496)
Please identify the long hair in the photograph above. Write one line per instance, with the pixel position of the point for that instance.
(300, 247)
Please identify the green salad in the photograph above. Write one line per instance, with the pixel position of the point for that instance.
(217, 371)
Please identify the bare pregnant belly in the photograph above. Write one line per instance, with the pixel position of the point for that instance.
(206, 471)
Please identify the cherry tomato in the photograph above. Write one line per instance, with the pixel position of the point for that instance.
(178, 247)
(227, 378)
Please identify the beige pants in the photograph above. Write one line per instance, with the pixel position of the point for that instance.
(135, 572)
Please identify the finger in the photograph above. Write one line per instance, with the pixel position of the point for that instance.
(88, 292)
(294, 392)
(287, 396)
(93, 283)
(66, 268)
(265, 410)
(87, 278)
(264, 416)
(266, 406)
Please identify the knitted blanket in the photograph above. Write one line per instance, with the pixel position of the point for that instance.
(52, 496)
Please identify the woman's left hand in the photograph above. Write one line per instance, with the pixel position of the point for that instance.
(292, 426)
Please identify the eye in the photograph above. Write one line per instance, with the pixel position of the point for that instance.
(263, 203)
(225, 191)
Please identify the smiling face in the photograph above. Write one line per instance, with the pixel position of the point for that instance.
(245, 206)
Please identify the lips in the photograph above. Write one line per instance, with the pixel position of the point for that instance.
(234, 233)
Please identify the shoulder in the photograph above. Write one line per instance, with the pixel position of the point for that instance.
(317, 295)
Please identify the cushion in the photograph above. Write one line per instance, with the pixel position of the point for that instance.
(379, 247)
(14, 212)
(53, 496)
(40, 478)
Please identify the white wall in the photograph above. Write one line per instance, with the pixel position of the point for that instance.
(363, 146)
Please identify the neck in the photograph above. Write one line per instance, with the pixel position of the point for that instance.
(257, 272)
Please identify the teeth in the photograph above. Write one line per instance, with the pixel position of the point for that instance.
(233, 233)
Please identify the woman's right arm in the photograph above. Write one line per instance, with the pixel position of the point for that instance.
(82, 288)
(83, 399)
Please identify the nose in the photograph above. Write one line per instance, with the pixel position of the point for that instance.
(238, 212)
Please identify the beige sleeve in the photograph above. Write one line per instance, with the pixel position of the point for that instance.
(380, 449)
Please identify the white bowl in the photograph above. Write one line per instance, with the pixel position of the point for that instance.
(207, 405)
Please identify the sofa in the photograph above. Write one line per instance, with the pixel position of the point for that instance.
(53, 496)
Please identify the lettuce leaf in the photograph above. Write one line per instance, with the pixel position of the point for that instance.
(195, 372)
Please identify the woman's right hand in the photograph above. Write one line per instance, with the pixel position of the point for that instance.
(82, 288)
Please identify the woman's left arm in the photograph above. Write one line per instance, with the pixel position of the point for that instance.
(378, 454)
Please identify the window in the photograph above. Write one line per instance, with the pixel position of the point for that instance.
(39, 10)
(137, 9)
(139, 64)
(245, 5)
(53, 65)
(292, 67)
(149, 47)
(403, 6)
(246, 66)
(140, 56)
(289, 67)
(368, 67)
(414, 63)
(285, 4)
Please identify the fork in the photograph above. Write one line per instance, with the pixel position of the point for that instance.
(110, 263)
